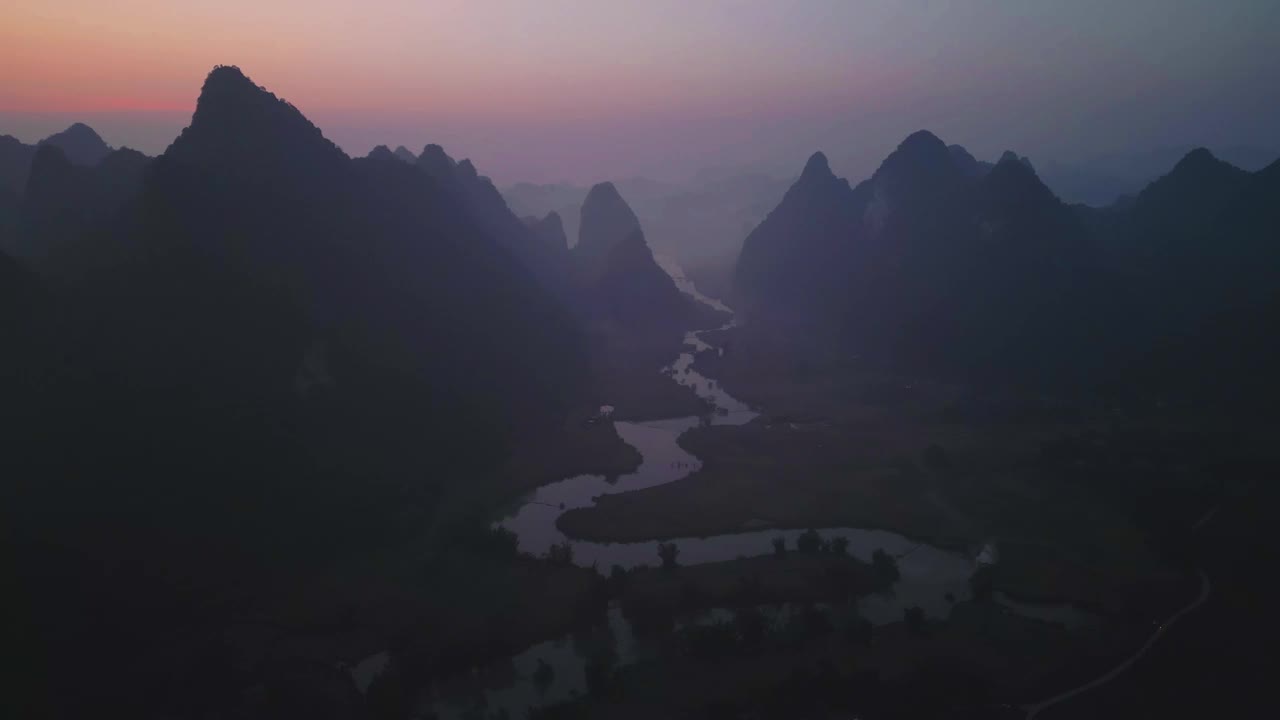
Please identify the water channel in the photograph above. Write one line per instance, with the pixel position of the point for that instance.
(932, 578)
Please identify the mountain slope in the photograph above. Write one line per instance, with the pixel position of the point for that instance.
(942, 266)
(623, 286)
(291, 359)
(550, 230)
(482, 201)
(935, 263)
(80, 143)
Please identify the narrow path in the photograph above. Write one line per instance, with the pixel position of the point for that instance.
(1205, 589)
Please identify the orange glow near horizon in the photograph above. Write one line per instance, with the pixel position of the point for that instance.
(589, 87)
(442, 57)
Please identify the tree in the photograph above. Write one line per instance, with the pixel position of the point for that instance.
(668, 552)
(561, 553)
(617, 578)
(809, 542)
(840, 545)
(543, 676)
(981, 583)
(914, 617)
(780, 546)
(885, 567)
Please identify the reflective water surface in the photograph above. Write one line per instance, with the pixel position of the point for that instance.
(932, 578)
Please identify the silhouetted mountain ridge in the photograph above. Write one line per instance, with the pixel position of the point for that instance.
(938, 264)
(245, 133)
(550, 230)
(622, 282)
(923, 265)
(405, 154)
(81, 144)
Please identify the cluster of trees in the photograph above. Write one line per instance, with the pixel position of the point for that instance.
(560, 553)
(751, 630)
(668, 553)
(885, 567)
(811, 542)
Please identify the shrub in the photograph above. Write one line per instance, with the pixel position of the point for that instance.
(914, 617)
(840, 545)
(884, 566)
(668, 552)
(561, 553)
(809, 542)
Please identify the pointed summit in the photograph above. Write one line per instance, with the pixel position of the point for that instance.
(1009, 156)
(550, 230)
(1197, 172)
(405, 154)
(435, 162)
(241, 128)
(381, 153)
(921, 165)
(965, 160)
(605, 193)
(467, 170)
(1199, 159)
(922, 142)
(607, 219)
(1189, 195)
(817, 167)
(80, 143)
(227, 89)
(1012, 188)
(623, 285)
(920, 149)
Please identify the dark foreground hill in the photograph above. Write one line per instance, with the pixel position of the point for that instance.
(278, 354)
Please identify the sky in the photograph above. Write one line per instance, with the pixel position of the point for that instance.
(585, 90)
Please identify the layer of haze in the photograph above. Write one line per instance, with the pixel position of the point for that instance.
(587, 89)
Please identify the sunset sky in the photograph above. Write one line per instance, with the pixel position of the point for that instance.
(588, 89)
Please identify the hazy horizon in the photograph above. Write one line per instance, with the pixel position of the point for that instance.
(579, 92)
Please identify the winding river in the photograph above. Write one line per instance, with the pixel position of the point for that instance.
(929, 574)
(931, 578)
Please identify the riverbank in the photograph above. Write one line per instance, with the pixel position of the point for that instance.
(582, 445)
(748, 582)
(980, 489)
(928, 462)
(755, 477)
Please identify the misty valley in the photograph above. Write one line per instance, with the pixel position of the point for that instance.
(295, 434)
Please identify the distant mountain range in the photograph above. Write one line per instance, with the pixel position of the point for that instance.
(700, 223)
(618, 272)
(79, 143)
(1103, 180)
(944, 265)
